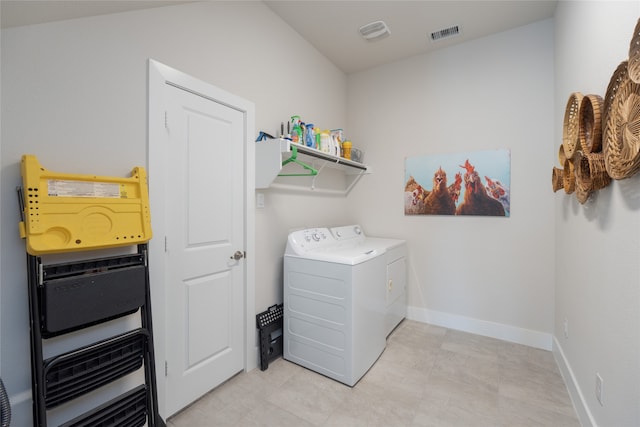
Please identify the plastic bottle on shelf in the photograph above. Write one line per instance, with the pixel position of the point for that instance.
(296, 130)
(336, 136)
(346, 150)
(325, 141)
(309, 138)
(316, 132)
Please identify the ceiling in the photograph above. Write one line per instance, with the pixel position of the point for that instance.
(332, 26)
(14, 13)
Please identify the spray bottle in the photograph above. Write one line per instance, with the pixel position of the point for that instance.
(296, 131)
(318, 143)
(309, 136)
(336, 137)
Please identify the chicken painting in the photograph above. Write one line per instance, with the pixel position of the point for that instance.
(439, 200)
(436, 185)
(476, 200)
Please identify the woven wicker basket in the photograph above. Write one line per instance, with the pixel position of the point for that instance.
(590, 124)
(621, 135)
(582, 194)
(591, 173)
(561, 156)
(568, 178)
(583, 180)
(583, 176)
(618, 76)
(570, 128)
(557, 179)
(634, 55)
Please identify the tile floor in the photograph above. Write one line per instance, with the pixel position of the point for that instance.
(427, 376)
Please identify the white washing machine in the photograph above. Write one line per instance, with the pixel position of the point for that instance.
(335, 301)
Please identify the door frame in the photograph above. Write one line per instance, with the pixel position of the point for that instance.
(159, 77)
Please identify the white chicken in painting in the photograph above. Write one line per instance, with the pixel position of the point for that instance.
(499, 192)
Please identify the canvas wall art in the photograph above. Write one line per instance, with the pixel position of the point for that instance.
(467, 183)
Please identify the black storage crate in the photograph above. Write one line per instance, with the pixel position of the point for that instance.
(75, 296)
(269, 325)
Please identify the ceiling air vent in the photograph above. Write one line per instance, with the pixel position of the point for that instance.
(374, 30)
(446, 33)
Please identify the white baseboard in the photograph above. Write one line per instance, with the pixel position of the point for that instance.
(482, 327)
(579, 403)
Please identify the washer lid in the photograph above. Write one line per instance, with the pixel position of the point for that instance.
(348, 256)
(341, 254)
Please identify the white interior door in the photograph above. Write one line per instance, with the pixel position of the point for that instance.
(205, 225)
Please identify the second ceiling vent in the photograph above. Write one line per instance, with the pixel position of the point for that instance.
(445, 33)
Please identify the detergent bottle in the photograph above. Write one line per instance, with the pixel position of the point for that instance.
(309, 138)
(296, 130)
(316, 132)
(336, 136)
(325, 141)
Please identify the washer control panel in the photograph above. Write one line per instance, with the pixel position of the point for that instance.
(307, 239)
(315, 235)
(321, 238)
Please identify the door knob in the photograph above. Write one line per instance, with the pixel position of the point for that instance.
(238, 255)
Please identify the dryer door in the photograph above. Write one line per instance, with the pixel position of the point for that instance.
(396, 309)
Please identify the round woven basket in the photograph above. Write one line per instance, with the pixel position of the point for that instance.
(590, 124)
(582, 194)
(621, 135)
(561, 156)
(591, 173)
(557, 178)
(634, 55)
(570, 127)
(618, 76)
(568, 178)
(583, 179)
(583, 176)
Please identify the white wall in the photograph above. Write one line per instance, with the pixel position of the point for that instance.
(488, 275)
(598, 244)
(74, 93)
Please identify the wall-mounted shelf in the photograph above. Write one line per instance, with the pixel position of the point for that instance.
(270, 155)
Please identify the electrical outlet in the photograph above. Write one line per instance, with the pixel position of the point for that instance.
(599, 388)
(566, 328)
(260, 200)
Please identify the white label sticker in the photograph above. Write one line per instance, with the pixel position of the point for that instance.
(66, 188)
